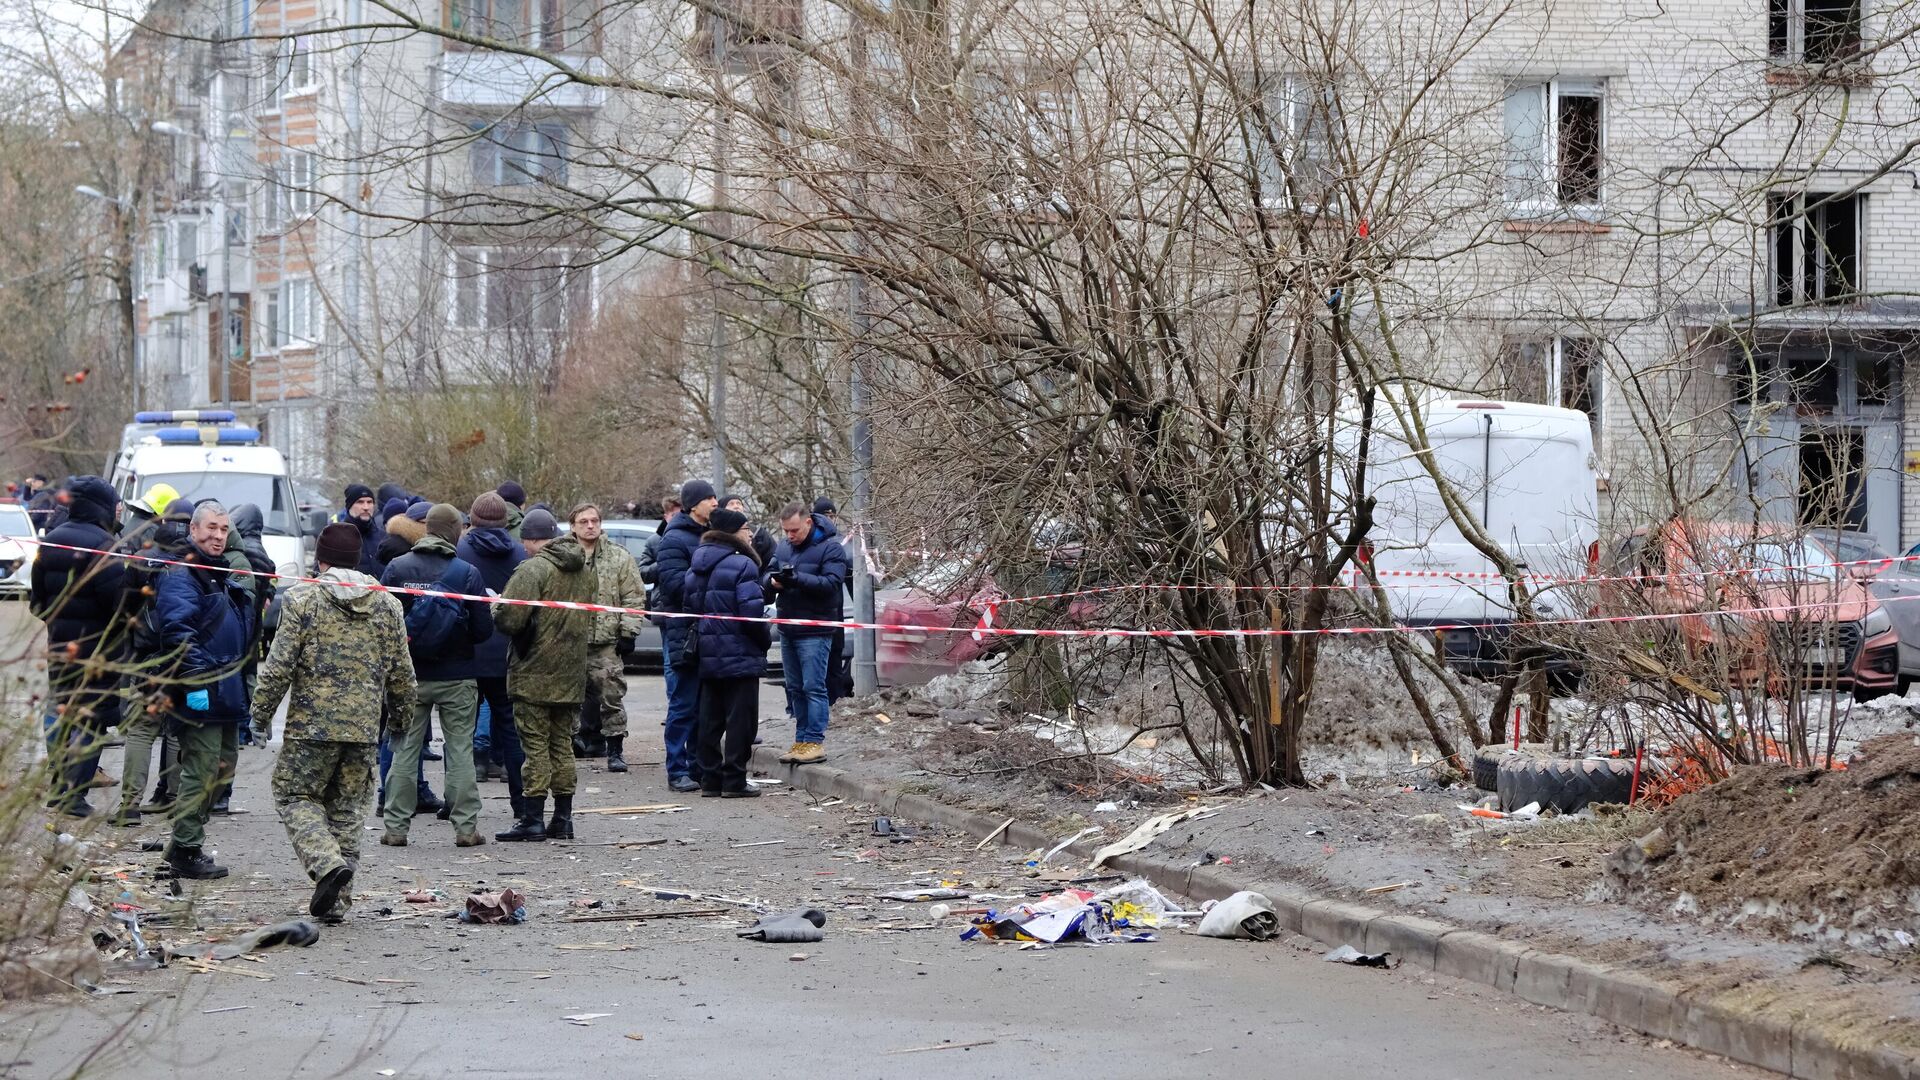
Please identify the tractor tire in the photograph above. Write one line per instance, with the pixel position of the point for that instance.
(1563, 784)
(1487, 759)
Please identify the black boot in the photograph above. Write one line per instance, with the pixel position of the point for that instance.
(615, 745)
(561, 825)
(528, 827)
(190, 863)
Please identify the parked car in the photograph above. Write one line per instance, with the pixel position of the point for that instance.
(934, 593)
(1770, 578)
(16, 558)
(1896, 584)
(633, 534)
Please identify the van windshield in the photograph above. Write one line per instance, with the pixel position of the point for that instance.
(270, 493)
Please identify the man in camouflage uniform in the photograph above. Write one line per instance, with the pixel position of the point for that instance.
(342, 651)
(546, 676)
(616, 584)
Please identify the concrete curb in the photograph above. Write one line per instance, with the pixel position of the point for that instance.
(1716, 1022)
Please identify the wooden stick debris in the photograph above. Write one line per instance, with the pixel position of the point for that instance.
(1378, 889)
(637, 916)
(757, 843)
(650, 808)
(994, 835)
(944, 1046)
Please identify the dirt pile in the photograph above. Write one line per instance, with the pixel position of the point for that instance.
(1826, 855)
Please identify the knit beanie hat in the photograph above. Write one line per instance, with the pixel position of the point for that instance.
(393, 509)
(693, 493)
(418, 511)
(539, 525)
(338, 546)
(489, 511)
(443, 521)
(727, 521)
(512, 492)
(356, 492)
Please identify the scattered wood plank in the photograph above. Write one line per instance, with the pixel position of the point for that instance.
(641, 916)
(944, 1046)
(1378, 889)
(994, 835)
(650, 808)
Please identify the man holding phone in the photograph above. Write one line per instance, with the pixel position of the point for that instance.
(809, 576)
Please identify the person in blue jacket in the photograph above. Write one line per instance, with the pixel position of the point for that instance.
(205, 620)
(808, 578)
(672, 559)
(724, 579)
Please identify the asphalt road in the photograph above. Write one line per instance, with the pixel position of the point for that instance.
(885, 995)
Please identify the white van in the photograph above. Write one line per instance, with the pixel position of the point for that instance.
(1525, 472)
(203, 454)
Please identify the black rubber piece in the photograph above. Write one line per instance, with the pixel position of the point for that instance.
(1564, 784)
(1486, 762)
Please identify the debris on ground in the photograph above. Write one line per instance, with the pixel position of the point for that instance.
(792, 927)
(1144, 833)
(914, 896)
(298, 933)
(1826, 854)
(1347, 954)
(73, 965)
(1077, 915)
(1247, 915)
(495, 908)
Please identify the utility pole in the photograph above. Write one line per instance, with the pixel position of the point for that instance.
(717, 332)
(866, 673)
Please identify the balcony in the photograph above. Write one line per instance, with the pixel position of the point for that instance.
(494, 81)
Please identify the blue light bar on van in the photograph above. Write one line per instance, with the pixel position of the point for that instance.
(187, 416)
(233, 436)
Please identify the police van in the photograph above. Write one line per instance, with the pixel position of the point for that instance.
(207, 454)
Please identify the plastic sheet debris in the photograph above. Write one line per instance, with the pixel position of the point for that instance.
(298, 933)
(584, 1019)
(792, 927)
(1246, 915)
(913, 896)
(1347, 954)
(1529, 812)
(495, 908)
(1144, 833)
(1138, 905)
(1063, 845)
(1070, 915)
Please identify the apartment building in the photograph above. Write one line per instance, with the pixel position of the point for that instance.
(348, 212)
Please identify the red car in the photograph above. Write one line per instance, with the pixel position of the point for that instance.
(1741, 586)
(932, 594)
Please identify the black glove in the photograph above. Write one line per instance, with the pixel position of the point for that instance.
(625, 645)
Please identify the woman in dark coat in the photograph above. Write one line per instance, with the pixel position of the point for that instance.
(724, 579)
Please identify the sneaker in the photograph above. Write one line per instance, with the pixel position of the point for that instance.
(807, 753)
(684, 784)
(393, 839)
(787, 757)
(326, 891)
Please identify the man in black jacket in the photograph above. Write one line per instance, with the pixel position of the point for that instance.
(442, 634)
(86, 600)
(671, 561)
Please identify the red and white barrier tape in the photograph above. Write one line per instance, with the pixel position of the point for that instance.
(985, 628)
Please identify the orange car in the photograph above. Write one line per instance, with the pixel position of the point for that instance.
(1763, 591)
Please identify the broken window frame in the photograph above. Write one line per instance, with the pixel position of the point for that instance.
(1802, 258)
(1537, 173)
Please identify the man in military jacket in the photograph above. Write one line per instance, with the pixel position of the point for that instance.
(341, 651)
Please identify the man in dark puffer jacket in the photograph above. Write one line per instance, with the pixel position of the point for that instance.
(87, 601)
(725, 580)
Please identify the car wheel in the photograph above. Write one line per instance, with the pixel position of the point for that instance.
(1564, 784)
(1487, 759)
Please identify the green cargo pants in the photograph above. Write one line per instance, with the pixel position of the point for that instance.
(546, 734)
(322, 791)
(607, 671)
(207, 756)
(459, 703)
